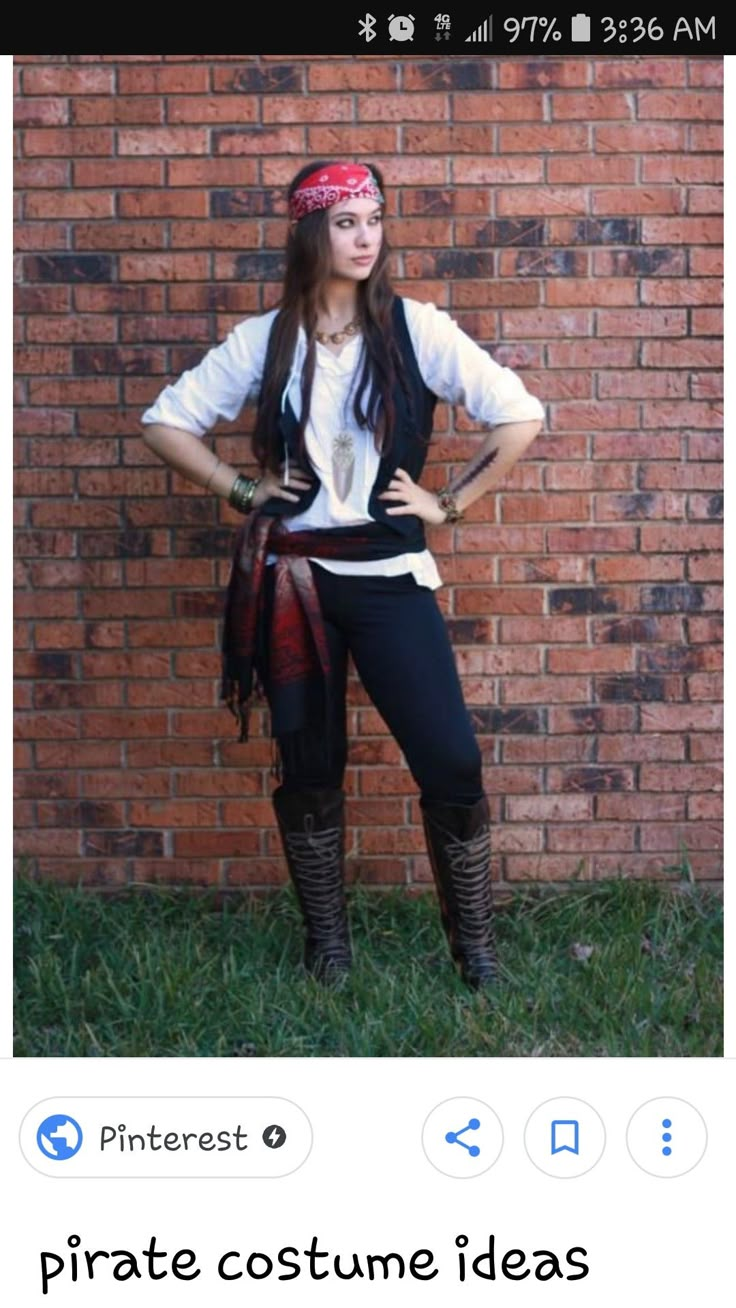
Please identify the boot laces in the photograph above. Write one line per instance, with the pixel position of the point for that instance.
(316, 856)
(468, 861)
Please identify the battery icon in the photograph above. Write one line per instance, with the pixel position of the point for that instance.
(580, 27)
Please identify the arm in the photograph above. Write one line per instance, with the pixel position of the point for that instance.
(460, 372)
(496, 457)
(174, 425)
(189, 455)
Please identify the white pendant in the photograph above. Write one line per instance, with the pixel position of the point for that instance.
(343, 464)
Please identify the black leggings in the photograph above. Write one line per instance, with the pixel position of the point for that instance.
(396, 634)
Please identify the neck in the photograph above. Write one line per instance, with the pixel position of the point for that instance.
(339, 300)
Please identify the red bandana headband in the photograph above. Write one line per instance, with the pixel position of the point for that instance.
(337, 182)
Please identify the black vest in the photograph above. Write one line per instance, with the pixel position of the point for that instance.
(408, 450)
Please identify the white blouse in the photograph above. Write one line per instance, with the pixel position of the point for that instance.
(451, 364)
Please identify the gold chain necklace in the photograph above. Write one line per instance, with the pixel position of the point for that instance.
(337, 338)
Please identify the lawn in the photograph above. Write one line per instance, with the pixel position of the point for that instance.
(620, 968)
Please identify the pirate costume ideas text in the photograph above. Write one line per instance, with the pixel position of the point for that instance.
(492, 1262)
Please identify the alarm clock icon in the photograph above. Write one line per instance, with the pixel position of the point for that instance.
(401, 27)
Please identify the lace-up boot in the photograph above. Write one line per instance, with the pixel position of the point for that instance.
(458, 841)
(312, 826)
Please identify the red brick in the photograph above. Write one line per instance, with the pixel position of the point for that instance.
(706, 322)
(496, 171)
(68, 141)
(706, 290)
(635, 748)
(681, 104)
(120, 111)
(341, 141)
(593, 837)
(543, 629)
(635, 568)
(199, 872)
(597, 291)
(603, 659)
(671, 836)
(543, 137)
(542, 72)
(638, 138)
(543, 200)
(488, 106)
(232, 110)
(357, 75)
(682, 168)
(550, 508)
(705, 199)
(705, 807)
(675, 777)
(663, 413)
(545, 690)
(640, 808)
(545, 867)
(706, 262)
(640, 72)
(162, 80)
(402, 108)
(681, 537)
(564, 168)
(118, 172)
(686, 231)
(705, 72)
(550, 808)
(68, 81)
(591, 354)
(28, 173)
(40, 113)
(639, 200)
(706, 385)
(642, 322)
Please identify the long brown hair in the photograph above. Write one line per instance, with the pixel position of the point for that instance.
(308, 266)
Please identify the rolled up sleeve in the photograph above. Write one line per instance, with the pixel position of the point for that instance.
(218, 387)
(457, 370)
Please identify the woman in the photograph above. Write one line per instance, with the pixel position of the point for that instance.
(331, 558)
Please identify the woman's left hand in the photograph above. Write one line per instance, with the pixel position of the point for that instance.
(412, 499)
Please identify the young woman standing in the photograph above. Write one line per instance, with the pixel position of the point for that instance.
(331, 558)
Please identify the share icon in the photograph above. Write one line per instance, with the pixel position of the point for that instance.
(453, 1137)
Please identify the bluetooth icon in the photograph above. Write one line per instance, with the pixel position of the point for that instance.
(367, 27)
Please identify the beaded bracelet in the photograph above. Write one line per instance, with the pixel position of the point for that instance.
(242, 492)
(446, 501)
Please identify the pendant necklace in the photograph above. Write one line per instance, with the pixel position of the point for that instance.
(343, 448)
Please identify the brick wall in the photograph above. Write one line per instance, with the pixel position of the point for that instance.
(567, 214)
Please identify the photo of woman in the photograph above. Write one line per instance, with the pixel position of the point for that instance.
(331, 559)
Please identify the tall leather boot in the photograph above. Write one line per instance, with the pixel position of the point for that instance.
(312, 826)
(458, 841)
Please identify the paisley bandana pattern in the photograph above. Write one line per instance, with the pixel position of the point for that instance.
(325, 187)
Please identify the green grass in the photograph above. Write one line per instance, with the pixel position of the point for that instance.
(621, 968)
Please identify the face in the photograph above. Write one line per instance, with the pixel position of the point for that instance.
(356, 232)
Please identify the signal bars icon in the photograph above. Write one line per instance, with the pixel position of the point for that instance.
(484, 32)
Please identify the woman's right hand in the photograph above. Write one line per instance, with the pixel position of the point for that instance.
(270, 484)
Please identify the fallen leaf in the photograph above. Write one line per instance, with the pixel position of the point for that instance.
(581, 952)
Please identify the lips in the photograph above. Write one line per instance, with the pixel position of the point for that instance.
(366, 258)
